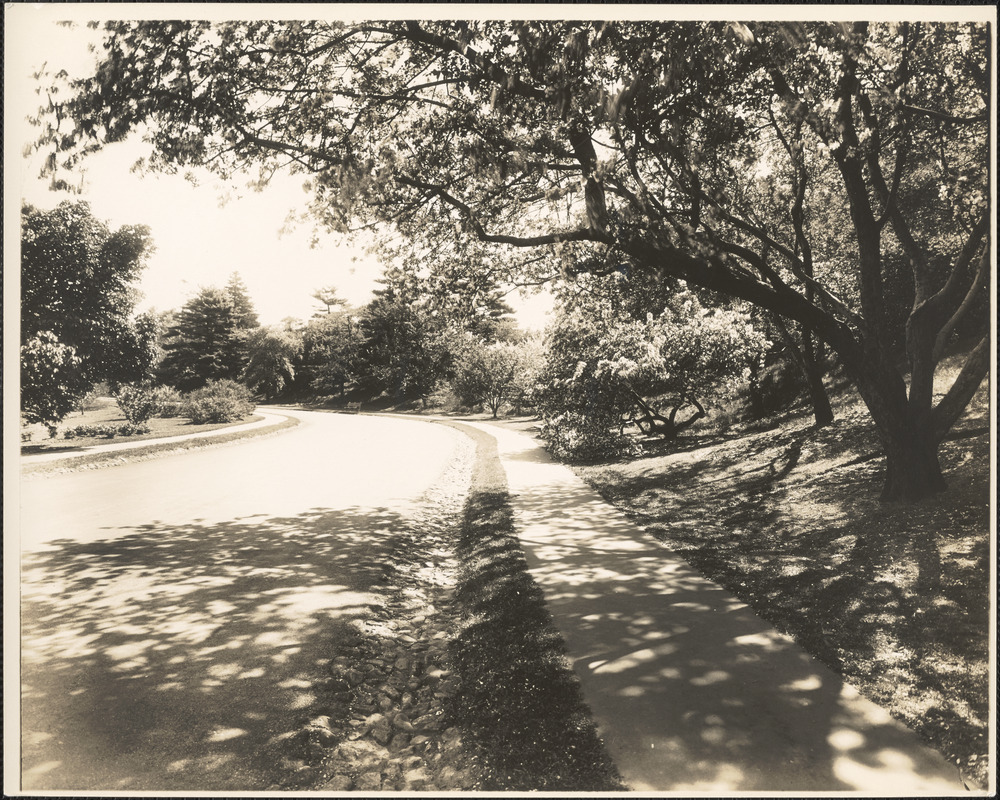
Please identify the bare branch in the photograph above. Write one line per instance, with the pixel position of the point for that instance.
(951, 406)
(943, 117)
(579, 235)
(982, 273)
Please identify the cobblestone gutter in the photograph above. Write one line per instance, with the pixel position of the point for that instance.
(383, 724)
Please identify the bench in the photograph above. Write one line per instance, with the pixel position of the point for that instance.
(354, 407)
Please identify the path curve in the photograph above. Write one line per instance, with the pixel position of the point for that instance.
(270, 419)
(178, 614)
(691, 691)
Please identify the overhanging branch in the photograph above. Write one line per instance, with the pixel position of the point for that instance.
(579, 235)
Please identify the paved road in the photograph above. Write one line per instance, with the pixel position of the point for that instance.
(176, 613)
(691, 690)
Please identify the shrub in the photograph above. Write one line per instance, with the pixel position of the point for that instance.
(136, 403)
(133, 429)
(218, 401)
(573, 436)
(168, 402)
(106, 431)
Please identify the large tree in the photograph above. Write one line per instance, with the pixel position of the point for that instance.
(203, 342)
(332, 345)
(406, 352)
(621, 146)
(78, 299)
(271, 356)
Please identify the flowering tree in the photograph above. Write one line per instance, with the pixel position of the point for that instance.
(491, 374)
(608, 371)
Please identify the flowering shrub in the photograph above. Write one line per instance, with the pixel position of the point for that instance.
(136, 403)
(218, 401)
(573, 436)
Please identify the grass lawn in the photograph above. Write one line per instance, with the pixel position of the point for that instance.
(105, 411)
(895, 598)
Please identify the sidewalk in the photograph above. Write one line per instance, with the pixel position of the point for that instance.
(268, 420)
(691, 691)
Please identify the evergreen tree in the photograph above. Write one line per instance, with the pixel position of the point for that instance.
(244, 314)
(203, 343)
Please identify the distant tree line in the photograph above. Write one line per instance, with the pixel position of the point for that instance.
(616, 353)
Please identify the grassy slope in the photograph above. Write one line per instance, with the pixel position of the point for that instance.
(108, 413)
(895, 598)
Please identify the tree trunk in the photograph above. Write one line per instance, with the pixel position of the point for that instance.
(756, 397)
(804, 359)
(913, 472)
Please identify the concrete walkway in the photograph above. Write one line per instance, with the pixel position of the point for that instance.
(269, 419)
(692, 691)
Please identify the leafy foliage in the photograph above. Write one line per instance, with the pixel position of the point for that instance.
(52, 380)
(203, 343)
(244, 314)
(717, 153)
(331, 351)
(605, 370)
(136, 402)
(271, 356)
(167, 401)
(218, 401)
(489, 374)
(405, 353)
(106, 431)
(77, 300)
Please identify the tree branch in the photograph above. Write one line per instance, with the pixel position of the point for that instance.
(947, 412)
(491, 70)
(579, 235)
(942, 116)
(982, 273)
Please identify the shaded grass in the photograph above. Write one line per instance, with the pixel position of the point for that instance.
(517, 696)
(893, 597)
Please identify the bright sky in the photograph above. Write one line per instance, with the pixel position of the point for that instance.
(198, 241)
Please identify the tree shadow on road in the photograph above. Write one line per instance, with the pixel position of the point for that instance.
(187, 657)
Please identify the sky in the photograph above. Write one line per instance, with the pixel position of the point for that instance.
(199, 240)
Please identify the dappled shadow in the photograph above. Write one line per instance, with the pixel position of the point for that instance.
(517, 695)
(874, 590)
(708, 696)
(186, 657)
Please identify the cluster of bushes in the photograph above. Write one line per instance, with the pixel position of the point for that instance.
(217, 401)
(106, 431)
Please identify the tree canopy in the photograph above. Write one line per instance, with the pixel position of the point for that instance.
(717, 153)
(203, 342)
(77, 307)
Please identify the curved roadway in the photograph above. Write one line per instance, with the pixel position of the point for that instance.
(176, 613)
